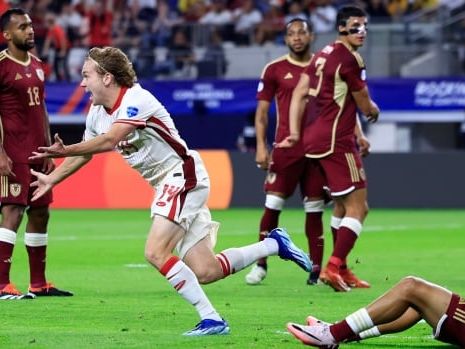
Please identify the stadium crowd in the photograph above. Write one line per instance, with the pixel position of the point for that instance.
(64, 29)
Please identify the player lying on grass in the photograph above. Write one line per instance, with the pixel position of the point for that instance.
(128, 118)
(411, 300)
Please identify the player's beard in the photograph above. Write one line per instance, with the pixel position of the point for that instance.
(25, 45)
(301, 52)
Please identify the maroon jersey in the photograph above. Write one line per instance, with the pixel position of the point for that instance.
(22, 109)
(334, 73)
(278, 80)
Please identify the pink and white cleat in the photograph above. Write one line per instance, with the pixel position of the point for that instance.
(312, 321)
(317, 335)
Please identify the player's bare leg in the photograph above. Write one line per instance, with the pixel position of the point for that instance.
(392, 312)
(409, 318)
(161, 241)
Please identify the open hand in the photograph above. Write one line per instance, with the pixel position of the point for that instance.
(43, 184)
(56, 150)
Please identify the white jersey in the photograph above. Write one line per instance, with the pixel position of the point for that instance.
(156, 150)
(154, 147)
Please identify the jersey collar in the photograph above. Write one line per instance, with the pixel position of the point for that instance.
(118, 101)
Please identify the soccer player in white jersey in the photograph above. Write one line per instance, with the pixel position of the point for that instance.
(128, 118)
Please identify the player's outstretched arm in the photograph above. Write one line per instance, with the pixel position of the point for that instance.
(100, 144)
(45, 182)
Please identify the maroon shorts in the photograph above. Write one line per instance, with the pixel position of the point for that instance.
(452, 330)
(287, 171)
(16, 190)
(343, 172)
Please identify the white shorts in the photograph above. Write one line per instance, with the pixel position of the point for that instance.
(186, 206)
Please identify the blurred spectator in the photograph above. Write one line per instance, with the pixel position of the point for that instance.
(99, 17)
(246, 18)
(57, 40)
(323, 16)
(127, 30)
(72, 22)
(213, 64)
(145, 59)
(377, 11)
(164, 22)
(217, 15)
(195, 9)
(145, 10)
(272, 25)
(397, 8)
(184, 5)
(180, 57)
(295, 10)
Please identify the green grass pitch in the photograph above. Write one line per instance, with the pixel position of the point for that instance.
(120, 302)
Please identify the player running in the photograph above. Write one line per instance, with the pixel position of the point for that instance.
(128, 118)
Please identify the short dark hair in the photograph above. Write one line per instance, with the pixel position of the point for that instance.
(346, 12)
(298, 19)
(6, 16)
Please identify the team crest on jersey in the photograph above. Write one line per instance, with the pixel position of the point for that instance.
(15, 189)
(40, 74)
(271, 177)
(132, 111)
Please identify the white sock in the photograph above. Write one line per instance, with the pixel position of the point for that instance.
(184, 281)
(35, 239)
(335, 222)
(359, 321)
(370, 333)
(234, 259)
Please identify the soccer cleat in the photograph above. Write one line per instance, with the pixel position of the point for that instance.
(288, 250)
(312, 321)
(256, 275)
(10, 292)
(208, 327)
(352, 280)
(49, 290)
(317, 335)
(333, 279)
(313, 278)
